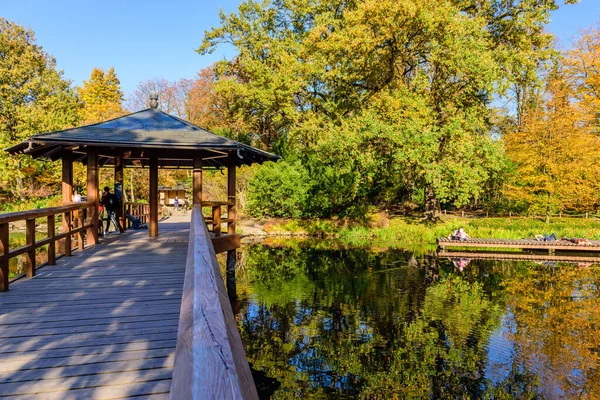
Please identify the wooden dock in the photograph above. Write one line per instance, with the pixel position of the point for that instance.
(522, 244)
(101, 324)
(571, 257)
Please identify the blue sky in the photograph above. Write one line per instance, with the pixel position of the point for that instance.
(150, 39)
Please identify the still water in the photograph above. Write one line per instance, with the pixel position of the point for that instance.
(330, 322)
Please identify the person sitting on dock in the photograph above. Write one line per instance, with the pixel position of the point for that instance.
(546, 238)
(576, 240)
(459, 234)
(135, 222)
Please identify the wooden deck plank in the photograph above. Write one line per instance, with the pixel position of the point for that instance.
(91, 381)
(30, 317)
(86, 369)
(51, 344)
(159, 389)
(87, 350)
(86, 322)
(100, 324)
(79, 360)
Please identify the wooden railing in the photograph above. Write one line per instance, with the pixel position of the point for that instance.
(216, 220)
(138, 210)
(74, 223)
(210, 362)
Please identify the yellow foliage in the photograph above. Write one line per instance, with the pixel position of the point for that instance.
(102, 97)
(555, 153)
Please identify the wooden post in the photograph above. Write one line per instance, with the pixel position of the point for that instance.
(4, 253)
(216, 215)
(67, 197)
(52, 244)
(92, 195)
(197, 178)
(586, 215)
(80, 223)
(153, 200)
(231, 207)
(231, 261)
(30, 243)
(119, 190)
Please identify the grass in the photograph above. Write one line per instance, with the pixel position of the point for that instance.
(413, 233)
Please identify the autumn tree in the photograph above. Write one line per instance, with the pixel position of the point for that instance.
(554, 152)
(101, 96)
(34, 98)
(583, 66)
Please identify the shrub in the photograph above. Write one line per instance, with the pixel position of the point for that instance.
(279, 190)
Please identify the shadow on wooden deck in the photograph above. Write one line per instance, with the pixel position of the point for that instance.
(100, 324)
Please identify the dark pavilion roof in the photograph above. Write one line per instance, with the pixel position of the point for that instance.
(138, 135)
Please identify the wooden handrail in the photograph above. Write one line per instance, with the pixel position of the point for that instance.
(216, 203)
(42, 212)
(210, 362)
(31, 244)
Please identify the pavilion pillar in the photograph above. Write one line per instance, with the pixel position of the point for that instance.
(119, 214)
(64, 246)
(231, 207)
(231, 212)
(197, 181)
(92, 195)
(153, 200)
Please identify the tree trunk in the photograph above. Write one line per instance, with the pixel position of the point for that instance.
(19, 190)
(131, 185)
(432, 204)
(548, 208)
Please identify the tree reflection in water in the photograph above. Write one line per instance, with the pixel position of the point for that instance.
(334, 322)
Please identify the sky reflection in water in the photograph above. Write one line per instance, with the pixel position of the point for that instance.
(331, 323)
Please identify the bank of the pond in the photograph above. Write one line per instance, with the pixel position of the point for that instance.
(413, 232)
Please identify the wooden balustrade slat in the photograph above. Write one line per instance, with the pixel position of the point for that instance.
(30, 241)
(5, 258)
(81, 234)
(51, 240)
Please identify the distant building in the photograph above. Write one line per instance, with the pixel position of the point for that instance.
(167, 195)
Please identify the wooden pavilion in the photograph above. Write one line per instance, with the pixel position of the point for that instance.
(149, 138)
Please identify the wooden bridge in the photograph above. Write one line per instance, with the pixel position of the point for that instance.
(117, 320)
(136, 315)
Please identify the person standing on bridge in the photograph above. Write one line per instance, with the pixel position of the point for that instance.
(111, 203)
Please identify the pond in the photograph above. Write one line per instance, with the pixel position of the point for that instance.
(330, 322)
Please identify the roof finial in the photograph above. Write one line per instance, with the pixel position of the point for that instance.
(153, 100)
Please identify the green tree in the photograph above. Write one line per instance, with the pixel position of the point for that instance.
(102, 96)
(34, 98)
(314, 75)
